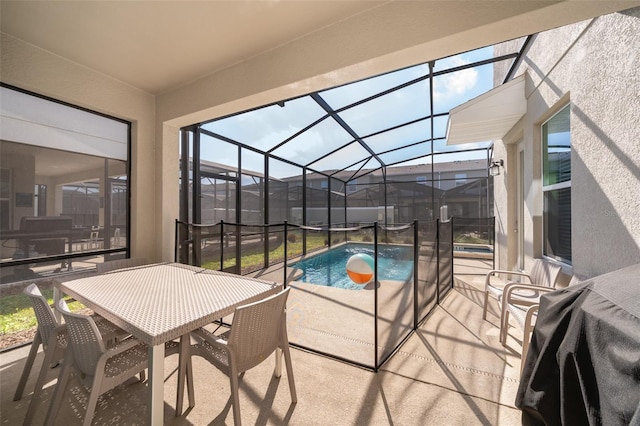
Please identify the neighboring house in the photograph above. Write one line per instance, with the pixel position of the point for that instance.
(412, 193)
(571, 186)
(464, 186)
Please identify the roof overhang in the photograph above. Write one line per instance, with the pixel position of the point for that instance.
(489, 116)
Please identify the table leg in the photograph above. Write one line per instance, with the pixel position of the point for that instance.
(156, 384)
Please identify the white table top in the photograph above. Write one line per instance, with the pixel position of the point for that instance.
(160, 302)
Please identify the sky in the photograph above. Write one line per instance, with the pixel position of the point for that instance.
(266, 128)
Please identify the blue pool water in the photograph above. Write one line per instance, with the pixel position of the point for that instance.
(472, 249)
(330, 268)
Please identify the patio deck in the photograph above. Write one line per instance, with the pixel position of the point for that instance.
(453, 370)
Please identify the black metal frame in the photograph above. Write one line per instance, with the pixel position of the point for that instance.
(333, 114)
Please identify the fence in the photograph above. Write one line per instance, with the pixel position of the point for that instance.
(370, 322)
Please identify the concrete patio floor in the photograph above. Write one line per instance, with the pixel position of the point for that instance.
(452, 371)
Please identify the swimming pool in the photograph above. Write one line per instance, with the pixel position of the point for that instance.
(329, 268)
(472, 248)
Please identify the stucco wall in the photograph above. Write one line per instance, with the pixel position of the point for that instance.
(31, 68)
(594, 66)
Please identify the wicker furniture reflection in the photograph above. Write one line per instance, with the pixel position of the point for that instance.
(113, 265)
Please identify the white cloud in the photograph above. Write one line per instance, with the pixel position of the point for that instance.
(449, 86)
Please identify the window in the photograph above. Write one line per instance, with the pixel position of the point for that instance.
(64, 180)
(422, 180)
(352, 186)
(461, 179)
(556, 173)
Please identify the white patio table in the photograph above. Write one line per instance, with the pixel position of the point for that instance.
(161, 302)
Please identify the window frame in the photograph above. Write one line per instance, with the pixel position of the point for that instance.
(69, 256)
(549, 188)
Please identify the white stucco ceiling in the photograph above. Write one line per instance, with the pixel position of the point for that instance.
(158, 46)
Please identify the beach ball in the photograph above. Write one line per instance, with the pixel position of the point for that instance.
(360, 268)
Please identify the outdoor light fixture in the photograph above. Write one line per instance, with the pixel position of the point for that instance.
(494, 168)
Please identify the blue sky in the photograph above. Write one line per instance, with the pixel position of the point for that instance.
(266, 127)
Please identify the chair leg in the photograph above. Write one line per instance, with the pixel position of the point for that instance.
(278, 370)
(289, 365)
(486, 301)
(37, 340)
(525, 348)
(504, 326)
(526, 336)
(233, 379)
(92, 402)
(53, 349)
(58, 393)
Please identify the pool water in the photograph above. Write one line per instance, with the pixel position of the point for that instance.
(330, 268)
(472, 249)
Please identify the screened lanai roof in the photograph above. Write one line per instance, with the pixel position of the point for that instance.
(398, 118)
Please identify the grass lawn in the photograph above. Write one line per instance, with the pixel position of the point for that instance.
(16, 313)
(253, 262)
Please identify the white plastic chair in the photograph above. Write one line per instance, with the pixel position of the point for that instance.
(258, 329)
(525, 315)
(94, 239)
(96, 367)
(116, 237)
(543, 274)
(53, 338)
